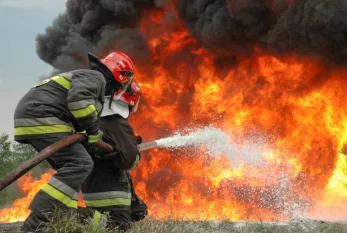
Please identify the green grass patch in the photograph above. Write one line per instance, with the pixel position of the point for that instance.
(69, 223)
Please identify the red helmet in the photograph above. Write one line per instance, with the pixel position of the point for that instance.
(131, 96)
(121, 67)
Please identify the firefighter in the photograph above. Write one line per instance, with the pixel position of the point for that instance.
(109, 188)
(61, 106)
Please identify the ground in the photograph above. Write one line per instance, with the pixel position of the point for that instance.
(170, 226)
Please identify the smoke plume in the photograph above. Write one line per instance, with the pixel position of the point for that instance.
(316, 27)
(225, 27)
(93, 26)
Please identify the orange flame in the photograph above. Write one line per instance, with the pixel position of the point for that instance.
(30, 186)
(292, 109)
(295, 105)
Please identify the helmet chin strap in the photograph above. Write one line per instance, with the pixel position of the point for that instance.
(110, 102)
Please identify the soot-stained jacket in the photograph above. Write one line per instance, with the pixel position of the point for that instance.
(109, 187)
(63, 104)
(118, 133)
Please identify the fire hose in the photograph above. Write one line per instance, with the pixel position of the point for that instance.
(48, 151)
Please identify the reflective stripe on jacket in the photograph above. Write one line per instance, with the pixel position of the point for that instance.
(35, 126)
(65, 103)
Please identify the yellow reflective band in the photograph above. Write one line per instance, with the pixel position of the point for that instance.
(56, 194)
(96, 220)
(43, 82)
(93, 138)
(62, 81)
(59, 79)
(84, 111)
(108, 202)
(43, 129)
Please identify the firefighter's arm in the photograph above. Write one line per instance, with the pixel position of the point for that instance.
(86, 88)
(126, 154)
(114, 157)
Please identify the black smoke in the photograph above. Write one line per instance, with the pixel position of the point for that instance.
(317, 27)
(227, 28)
(97, 26)
(309, 27)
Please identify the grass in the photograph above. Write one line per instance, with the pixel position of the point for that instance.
(151, 226)
(66, 223)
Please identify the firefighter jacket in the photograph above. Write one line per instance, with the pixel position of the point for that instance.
(63, 104)
(108, 187)
(118, 133)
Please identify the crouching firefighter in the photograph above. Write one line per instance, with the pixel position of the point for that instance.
(54, 109)
(109, 188)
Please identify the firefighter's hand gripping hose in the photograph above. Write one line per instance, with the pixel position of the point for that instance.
(39, 157)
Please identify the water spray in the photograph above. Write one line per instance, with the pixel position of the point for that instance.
(214, 140)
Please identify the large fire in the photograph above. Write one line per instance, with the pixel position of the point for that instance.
(30, 186)
(291, 108)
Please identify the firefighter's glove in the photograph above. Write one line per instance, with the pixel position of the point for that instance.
(109, 156)
(138, 139)
(94, 137)
(98, 153)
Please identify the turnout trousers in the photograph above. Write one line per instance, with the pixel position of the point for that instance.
(109, 190)
(73, 165)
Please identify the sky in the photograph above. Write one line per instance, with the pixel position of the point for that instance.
(20, 67)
